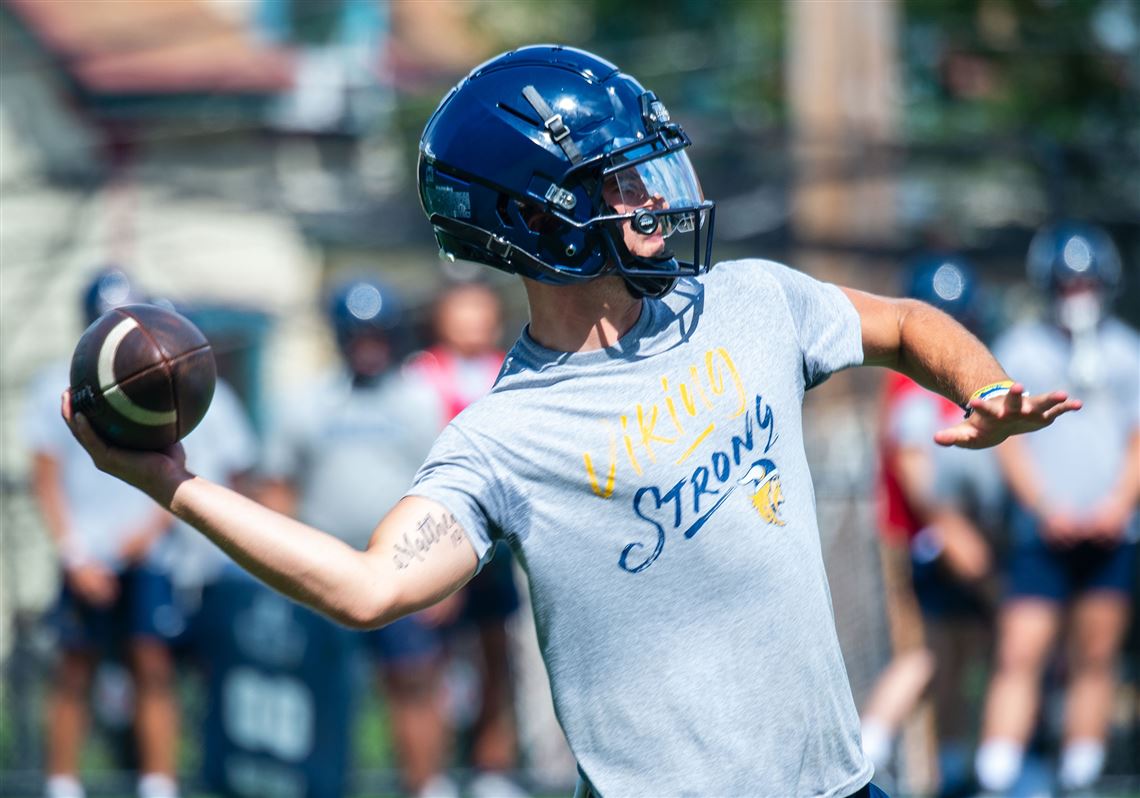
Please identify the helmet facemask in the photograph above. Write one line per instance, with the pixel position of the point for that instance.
(657, 217)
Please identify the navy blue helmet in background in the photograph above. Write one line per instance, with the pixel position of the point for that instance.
(363, 306)
(1067, 253)
(367, 319)
(109, 288)
(948, 282)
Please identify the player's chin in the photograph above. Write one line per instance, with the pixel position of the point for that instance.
(648, 246)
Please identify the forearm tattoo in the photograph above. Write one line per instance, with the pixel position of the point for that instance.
(431, 529)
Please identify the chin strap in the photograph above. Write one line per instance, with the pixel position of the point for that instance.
(500, 248)
(651, 287)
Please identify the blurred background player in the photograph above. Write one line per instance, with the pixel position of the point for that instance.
(115, 597)
(1076, 488)
(345, 450)
(935, 560)
(461, 367)
(224, 445)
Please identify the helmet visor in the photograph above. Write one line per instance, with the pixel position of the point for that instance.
(665, 188)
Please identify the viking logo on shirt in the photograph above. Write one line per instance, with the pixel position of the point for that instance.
(767, 492)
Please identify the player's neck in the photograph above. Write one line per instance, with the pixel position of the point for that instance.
(579, 318)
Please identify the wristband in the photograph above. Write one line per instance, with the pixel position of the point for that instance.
(991, 391)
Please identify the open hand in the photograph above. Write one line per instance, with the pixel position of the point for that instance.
(155, 473)
(994, 420)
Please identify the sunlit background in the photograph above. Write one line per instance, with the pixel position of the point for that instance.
(236, 157)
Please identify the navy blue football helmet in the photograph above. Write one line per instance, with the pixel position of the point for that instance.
(363, 306)
(948, 283)
(109, 288)
(1066, 253)
(366, 317)
(550, 163)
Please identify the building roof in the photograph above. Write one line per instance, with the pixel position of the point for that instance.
(121, 47)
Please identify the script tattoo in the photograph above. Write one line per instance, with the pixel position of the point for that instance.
(430, 530)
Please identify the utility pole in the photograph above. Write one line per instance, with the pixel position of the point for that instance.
(843, 90)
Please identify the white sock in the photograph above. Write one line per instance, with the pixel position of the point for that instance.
(1081, 763)
(876, 742)
(157, 785)
(998, 764)
(63, 786)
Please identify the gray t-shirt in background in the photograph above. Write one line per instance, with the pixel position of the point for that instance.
(658, 496)
(351, 452)
(970, 481)
(1079, 459)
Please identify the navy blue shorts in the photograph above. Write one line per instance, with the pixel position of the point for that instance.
(490, 596)
(144, 608)
(1039, 570)
(407, 641)
(940, 595)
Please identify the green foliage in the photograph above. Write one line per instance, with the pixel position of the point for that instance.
(1013, 66)
(715, 58)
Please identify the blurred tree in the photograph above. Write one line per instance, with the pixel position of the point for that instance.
(1069, 69)
(723, 59)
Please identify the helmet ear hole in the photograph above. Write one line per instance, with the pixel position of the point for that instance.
(522, 214)
(502, 206)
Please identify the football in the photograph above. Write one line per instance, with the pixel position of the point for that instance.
(143, 376)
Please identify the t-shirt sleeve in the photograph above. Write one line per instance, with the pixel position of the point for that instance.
(456, 476)
(826, 324)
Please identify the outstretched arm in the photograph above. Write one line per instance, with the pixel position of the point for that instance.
(417, 556)
(940, 354)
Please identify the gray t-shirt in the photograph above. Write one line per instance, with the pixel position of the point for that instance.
(658, 496)
(1080, 458)
(352, 452)
(968, 480)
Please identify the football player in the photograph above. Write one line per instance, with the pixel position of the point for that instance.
(935, 559)
(461, 366)
(116, 596)
(1076, 487)
(641, 451)
(340, 454)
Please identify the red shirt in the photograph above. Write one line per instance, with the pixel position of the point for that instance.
(897, 519)
(441, 368)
